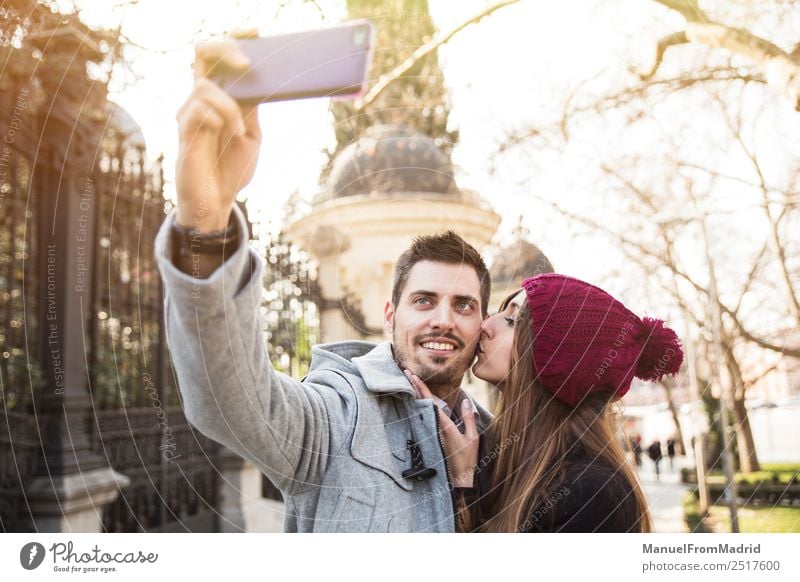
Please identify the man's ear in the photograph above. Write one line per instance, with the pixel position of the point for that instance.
(388, 318)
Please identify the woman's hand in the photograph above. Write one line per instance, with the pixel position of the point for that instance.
(461, 449)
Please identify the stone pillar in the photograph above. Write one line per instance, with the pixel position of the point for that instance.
(326, 246)
(72, 483)
(242, 506)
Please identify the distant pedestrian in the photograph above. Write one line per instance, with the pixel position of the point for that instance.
(655, 454)
(636, 447)
(671, 452)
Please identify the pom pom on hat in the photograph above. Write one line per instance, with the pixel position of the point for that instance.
(661, 352)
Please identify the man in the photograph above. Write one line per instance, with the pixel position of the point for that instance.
(671, 452)
(655, 454)
(349, 446)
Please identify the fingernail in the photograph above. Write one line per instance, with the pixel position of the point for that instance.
(466, 404)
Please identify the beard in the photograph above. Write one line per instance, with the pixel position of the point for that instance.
(449, 371)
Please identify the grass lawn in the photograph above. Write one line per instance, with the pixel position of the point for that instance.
(756, 519)
(776, 519)
(751, 519)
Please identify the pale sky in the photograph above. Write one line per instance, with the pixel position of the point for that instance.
(512, 68)
(499, 73)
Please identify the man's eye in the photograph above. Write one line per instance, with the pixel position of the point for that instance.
(422, 300)
(464, 305)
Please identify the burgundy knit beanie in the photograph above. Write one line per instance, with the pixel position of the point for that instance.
(586, 341)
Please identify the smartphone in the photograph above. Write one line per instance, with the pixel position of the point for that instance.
(329, 62)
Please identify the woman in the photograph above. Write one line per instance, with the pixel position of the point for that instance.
(561, 351)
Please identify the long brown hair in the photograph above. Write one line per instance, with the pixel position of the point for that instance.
(534, 433)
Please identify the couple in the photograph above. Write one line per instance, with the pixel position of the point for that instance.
(351, 446)
(560, 351)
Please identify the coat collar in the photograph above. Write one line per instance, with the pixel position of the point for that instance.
(381, 373)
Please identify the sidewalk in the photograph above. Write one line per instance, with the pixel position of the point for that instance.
(665, 495)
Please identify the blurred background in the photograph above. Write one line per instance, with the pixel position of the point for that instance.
(649, 146)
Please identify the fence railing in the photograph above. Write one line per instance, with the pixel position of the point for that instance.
(78, 281)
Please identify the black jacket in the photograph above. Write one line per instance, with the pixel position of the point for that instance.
(589, 496)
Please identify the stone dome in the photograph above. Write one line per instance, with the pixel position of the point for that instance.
(517, 261)
(123, 127)
(391, 159)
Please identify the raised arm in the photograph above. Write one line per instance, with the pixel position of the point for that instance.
(230, 391)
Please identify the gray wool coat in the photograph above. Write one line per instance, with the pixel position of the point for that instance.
(335, 443)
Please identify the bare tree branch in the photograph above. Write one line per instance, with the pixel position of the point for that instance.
(626, 96)
(781, 69)
(750, 381)
(386, 79)
(640, 194)
(751, 277)
(775, 240)
(664, 260)
(661, 48)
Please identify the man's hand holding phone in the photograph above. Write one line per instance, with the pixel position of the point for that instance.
(218, 124)
(219, 142)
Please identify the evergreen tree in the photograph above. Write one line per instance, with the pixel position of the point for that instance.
(419, 98)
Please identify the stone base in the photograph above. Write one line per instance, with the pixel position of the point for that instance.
(73, 503)
(240, 494)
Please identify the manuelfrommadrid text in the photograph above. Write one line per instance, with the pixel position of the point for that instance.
(693, 549)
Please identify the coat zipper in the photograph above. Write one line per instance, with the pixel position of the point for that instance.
(441, 446)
